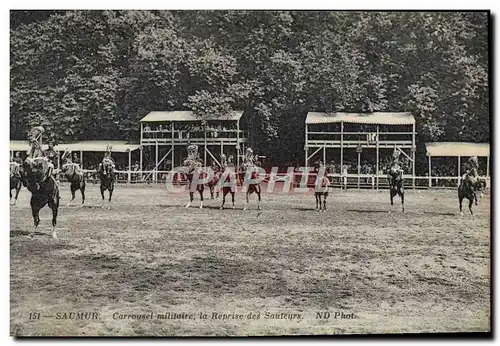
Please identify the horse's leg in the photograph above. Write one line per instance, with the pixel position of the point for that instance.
(191, 197)
(200, 191)
(102, 194)
(224, 193)
(324, 202)
(470, 206)
(211, 187)
(402, 194)
(460, 200)
(232, 198)
(73, 190)
(110, 190)
(257, 190)
(36, 205)
(18, 188)
(316, 197)
(82, 191)
(53, 205)
(246, 205)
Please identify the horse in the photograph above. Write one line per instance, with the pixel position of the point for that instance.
(396, 184)
(15, 180)
(471, 188)
(252, 187)
(192, 167)
(321, 189)
(107, 178)
(76, 179)
(38, 178)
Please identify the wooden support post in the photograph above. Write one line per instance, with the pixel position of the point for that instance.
(129, 166)
(324, 155)
(173, 146)
(487, 166)
(458, 170)
(156, 163)
(81, 158)
(430, 173)
(205, 139)
(413, 150)
(141, 148)
(341, 147)
(378, 161)
(237, 146)
(359, 168)
(306, 147)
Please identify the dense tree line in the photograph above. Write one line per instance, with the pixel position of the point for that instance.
(94, 74)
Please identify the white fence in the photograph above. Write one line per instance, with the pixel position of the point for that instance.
(349, 181)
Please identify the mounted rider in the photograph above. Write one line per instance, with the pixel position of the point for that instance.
(471, 175)
(107, 155)
(249, 159)
(395, 168)
(51, 154)
(17, 158)
(36, 154)
(107, 162)
(193, 159)
(34, 139)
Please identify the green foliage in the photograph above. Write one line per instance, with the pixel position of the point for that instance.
(94, 74)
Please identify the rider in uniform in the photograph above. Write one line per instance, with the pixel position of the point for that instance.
(249, 158)
(107, 155)
(17, 158)
(51, 154)
(75, 159)
(471, 174)
(395, 165)
(34, 140)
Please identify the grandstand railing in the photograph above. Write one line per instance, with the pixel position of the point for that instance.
(349, 181)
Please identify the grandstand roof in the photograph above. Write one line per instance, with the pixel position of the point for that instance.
(380, 118)
(457, 149)
(159, 116)
(118, 146)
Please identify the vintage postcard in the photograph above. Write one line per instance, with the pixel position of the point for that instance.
(249, 173)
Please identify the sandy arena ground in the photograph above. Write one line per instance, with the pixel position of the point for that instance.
(427, 270)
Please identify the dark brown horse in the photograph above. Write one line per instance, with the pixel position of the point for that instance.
(396, 184)
(193, 172)
(321, 189)
(15, 180)
(107, 177)
(76, 179)
(471, 188)
(44, 190)
(253, 174)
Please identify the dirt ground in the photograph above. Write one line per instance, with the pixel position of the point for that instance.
(374, 271)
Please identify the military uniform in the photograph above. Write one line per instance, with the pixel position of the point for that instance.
(18, 159)
(51, 154)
